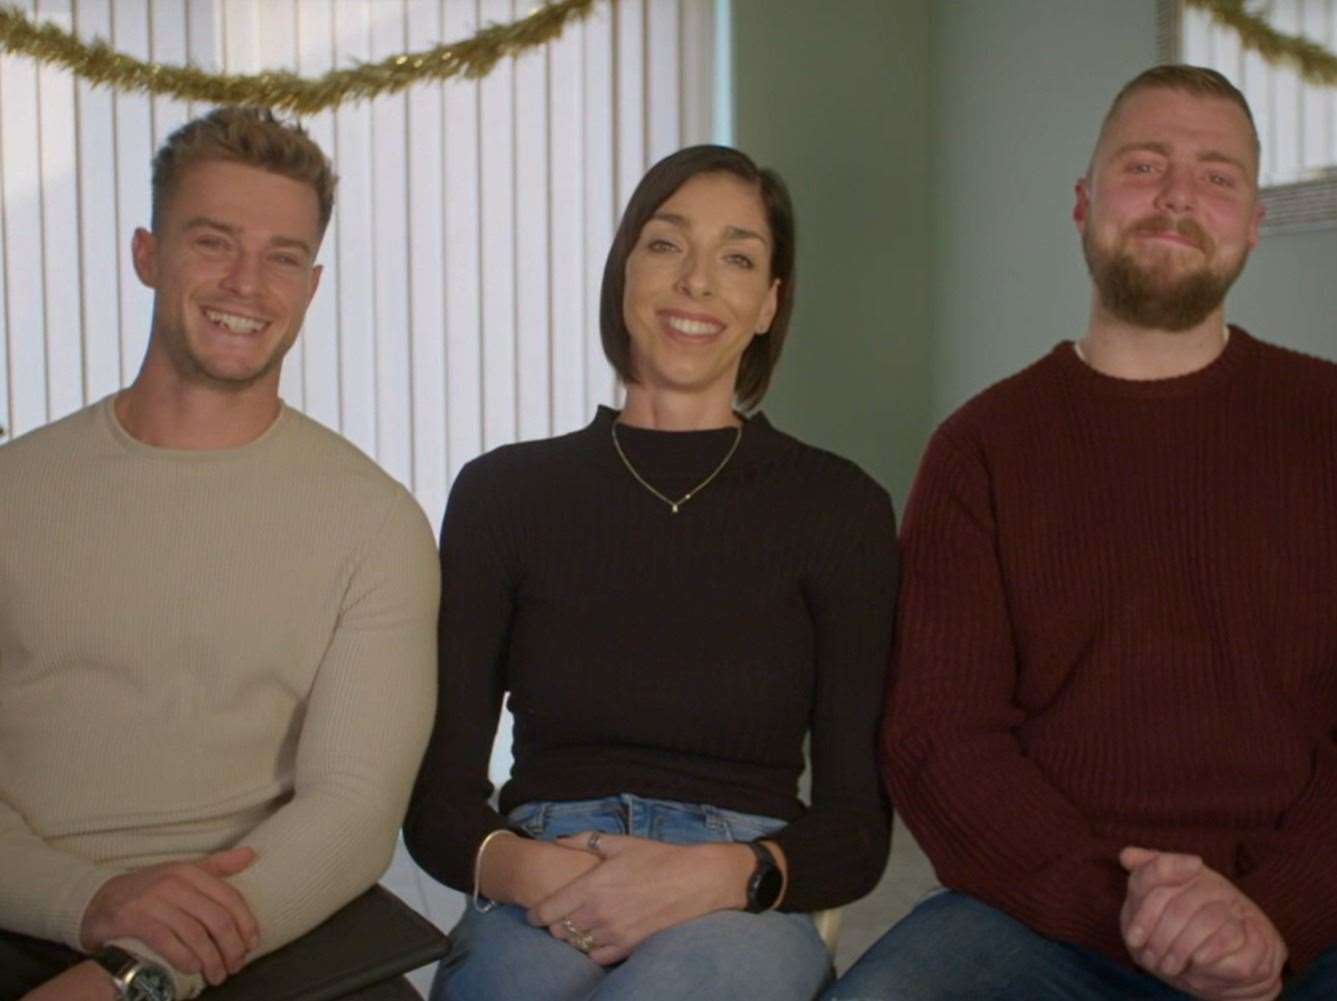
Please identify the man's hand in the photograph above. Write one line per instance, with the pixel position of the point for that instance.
(85, 982)
(642, 887)
(186, 911)
(1191, 927)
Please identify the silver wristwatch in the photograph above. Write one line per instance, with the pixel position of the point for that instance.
(135, 979)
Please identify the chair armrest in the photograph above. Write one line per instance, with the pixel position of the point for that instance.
(371, 940)
(828, 927)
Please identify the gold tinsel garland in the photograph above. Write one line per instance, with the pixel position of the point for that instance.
(98, 63)
(1315, 63)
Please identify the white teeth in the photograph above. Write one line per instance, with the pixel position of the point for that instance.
(693, 328)
(234, 323)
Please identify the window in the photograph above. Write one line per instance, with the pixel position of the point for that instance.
(1297, 121)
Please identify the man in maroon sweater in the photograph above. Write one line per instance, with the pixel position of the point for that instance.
(1112, 724)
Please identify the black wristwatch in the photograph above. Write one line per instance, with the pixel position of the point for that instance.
(766, 881)
(135, 979)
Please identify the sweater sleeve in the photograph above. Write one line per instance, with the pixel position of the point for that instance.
(449, 814)
(988, 818)
(1290, 874)
(838, 849)
(367, 720)
(45, 891)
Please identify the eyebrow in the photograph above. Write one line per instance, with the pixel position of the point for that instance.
(1164, 149)
(730, 232)
(204, 222)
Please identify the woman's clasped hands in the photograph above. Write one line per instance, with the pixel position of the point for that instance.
(640, 887)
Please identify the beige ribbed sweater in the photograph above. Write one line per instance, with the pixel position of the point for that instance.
(201, 649)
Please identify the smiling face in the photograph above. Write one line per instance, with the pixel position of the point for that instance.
(232, 266)
(699, 288)
(1169, 208)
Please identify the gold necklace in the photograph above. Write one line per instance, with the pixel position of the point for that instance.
(675, 504)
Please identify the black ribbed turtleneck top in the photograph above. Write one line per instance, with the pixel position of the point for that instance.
(677, 656)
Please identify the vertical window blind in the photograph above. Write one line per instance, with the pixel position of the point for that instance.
(459, 305)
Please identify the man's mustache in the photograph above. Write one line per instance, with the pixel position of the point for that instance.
(1185, 227)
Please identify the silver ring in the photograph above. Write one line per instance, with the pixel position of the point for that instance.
(592, 844)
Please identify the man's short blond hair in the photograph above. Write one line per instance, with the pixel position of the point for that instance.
(247, 135)
(1200, 81)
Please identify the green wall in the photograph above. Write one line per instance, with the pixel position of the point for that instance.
(1288, 292)
(835, 96)
(932, 149)
(1019, 91)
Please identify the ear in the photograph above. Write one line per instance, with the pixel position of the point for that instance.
(1259, 210)
(144, 253)
(316, 272)
(1081, 205)
(768, 309)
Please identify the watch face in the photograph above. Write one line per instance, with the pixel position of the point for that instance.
(768, 888)
(150, 983)
(766, 882)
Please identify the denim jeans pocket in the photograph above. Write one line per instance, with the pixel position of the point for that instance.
(678, 823)
(548, 820)
(746, 826)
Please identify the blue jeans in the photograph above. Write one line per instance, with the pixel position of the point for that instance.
(498, 956)
(954, 946)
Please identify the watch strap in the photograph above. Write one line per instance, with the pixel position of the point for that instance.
(118, 963)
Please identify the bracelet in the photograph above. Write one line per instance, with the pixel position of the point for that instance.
(481, 906)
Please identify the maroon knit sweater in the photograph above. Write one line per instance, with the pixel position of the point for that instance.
(1118, 625)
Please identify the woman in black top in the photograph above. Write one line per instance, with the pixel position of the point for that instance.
(674, 598)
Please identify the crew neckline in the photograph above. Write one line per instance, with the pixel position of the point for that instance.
(658, 453)
(1239, 345)
(127, 441)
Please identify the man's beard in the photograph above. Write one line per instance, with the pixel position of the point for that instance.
(1141, 296)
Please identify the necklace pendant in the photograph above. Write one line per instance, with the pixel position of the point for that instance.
(675, 504)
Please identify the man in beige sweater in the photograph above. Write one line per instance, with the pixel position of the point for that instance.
(217, 618)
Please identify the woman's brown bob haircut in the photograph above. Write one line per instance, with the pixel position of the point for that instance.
(656, 187)
(247, 135)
